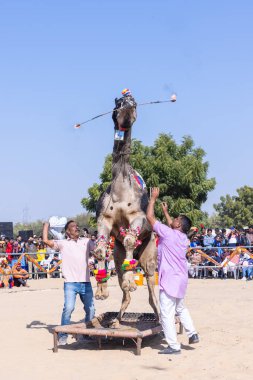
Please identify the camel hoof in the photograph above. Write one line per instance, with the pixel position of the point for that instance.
(115, 324)
(97, 297)
(132, 288)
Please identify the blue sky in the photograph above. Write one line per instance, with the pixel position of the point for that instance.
(63, 62)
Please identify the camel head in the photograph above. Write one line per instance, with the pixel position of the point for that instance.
(124, 113)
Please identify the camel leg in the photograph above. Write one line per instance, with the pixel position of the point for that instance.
(129, 244)
(128, 276)
(98, 291)
(104, 229)
(125, 286)
(124, 279)
(104, 291)
(148, 262)
(152, 298)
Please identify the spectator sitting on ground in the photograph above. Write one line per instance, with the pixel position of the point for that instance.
(6, 279)
(208, 239)
(19, 275)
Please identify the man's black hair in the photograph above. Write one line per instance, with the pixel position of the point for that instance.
(209, 229)
(185, 223)
(68, 223)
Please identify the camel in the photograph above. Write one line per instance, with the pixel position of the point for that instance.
(121, 212)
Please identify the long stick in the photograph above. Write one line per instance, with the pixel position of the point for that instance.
(171, 100)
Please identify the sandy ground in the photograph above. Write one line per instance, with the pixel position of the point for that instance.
(222, 312)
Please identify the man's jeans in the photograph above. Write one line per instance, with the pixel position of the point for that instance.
(247, 270)
(71, 289)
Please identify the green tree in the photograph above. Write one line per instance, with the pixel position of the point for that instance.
(178, 170)
(236, 210)
(213, 221)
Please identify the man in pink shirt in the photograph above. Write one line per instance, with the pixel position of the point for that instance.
(75, 253)
(173, 274)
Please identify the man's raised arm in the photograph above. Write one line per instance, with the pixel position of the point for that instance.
(166, 214)
(150, 210)
(50, 243)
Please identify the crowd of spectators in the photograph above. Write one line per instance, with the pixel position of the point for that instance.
(218, 245)
(10, 252)
(12, 249)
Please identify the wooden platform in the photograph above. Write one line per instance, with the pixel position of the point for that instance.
(134, 326)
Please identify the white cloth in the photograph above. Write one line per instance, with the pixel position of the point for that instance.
(169, 307)
(57, 224)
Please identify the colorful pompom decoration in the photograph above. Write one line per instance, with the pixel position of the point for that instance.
(101, 275)
(129, 264)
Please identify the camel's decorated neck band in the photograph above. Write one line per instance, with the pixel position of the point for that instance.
(108, 244)
(135, 232)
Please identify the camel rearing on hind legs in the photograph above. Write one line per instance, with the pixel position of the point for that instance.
(121, 212)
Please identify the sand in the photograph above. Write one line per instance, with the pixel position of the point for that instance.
(221, 310)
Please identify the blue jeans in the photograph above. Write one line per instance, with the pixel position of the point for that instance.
(71, 289)
(247, 270)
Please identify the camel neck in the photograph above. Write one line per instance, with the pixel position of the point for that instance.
(122, 149)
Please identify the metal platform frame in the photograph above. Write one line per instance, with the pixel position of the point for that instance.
(134, 326)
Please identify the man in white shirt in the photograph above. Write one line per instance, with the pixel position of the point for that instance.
(75, 270)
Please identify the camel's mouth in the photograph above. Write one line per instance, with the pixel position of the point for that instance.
(124, 114)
